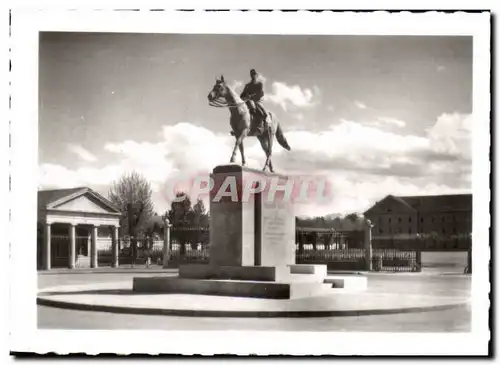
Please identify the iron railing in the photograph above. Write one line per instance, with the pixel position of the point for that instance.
(339, 250)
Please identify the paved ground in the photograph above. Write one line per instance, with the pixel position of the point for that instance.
(454, 320)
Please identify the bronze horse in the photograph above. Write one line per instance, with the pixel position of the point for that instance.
(240, 121)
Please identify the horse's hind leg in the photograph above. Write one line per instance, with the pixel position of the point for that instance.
(270, 149)
(264, 148)
(271, 138)
(267, 145)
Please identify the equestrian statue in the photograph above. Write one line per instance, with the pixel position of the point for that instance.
(248, 116)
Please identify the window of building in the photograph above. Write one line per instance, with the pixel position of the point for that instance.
(389, 220)
(432, 219)
(399, 219)
(442, 219)
(409, 231)
(380, 230)
(409, 219)
(422, 220)
(444, 230)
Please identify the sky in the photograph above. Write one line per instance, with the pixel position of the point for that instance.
(375, 115)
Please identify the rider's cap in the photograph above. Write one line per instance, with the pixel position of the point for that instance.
(253, 72)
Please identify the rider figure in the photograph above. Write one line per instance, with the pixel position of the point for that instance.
(253, 93)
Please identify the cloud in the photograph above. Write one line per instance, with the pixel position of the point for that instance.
(362, 163)
(440, 68)
(236, 85)
(299, 116)
(58, 176)
(292, 96)
(184, 150)
(81, 152)
(380, 122)
(451, 135)
(365, 163)
(359, 104)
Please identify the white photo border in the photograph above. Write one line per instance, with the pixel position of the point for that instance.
(26, 25)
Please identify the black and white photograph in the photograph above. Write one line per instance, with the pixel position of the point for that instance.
(190, 172)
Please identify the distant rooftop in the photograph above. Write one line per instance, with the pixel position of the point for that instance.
(432, 203)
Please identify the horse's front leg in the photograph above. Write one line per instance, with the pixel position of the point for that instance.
(242, 153)
(233, 155)
(238, 143)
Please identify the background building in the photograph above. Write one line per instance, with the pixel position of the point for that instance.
(444, 215)
(70, 222)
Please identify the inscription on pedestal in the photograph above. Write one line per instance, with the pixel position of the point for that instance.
(278, 234)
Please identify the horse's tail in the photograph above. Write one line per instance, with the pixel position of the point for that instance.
(280, 136)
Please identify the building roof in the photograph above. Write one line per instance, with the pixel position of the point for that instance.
(427, 203)
(433, 203)
(402, 200)
(49, 198)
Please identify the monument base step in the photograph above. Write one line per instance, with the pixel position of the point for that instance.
(308, 269)
(289, 273)
(252, 273)
(250, 289)
(347, 282)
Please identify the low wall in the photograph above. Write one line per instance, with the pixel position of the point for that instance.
(445, 261)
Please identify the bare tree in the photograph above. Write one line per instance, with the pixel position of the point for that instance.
(132, 194)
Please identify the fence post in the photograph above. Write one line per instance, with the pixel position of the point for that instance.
(368, 245)
(418, 258)
(166, 242)
(302, 239)
(314, 240)
(115, 249)
(469, 260)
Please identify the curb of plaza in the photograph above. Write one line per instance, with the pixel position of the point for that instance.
(159, 270)
(242, 314)
(109, 270)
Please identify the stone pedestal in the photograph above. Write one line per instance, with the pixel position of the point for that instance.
(252, 244)
(232, 223)
(252, 223)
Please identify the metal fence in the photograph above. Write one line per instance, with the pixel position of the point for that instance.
(355, 259)
(308, 238)
(339, 250)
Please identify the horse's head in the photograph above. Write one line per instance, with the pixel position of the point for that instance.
(219, 90)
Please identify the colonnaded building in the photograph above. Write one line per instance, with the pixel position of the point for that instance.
(85, 217)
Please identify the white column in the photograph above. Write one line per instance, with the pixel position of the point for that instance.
(46, 247)
(114, 246)
(166, 242)
(89, 239)
(93, 247)
(368, 245)
(72, 246)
